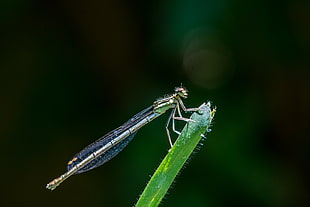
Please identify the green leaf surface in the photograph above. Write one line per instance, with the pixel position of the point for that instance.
(186, 143)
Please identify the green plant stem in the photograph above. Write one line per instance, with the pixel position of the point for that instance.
(176, 157)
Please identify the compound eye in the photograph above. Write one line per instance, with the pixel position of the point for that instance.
(181, 91)
(177, 89)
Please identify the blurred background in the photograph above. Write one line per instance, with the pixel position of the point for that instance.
(71, 71)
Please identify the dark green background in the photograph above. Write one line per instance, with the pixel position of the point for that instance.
(73, 70)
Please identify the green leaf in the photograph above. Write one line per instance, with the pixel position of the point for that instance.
(177, 156)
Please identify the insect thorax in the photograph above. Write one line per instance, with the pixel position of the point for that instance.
(164, 104)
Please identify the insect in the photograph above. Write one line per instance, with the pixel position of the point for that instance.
(108, 146)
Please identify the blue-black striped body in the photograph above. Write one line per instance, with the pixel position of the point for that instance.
(109, 154)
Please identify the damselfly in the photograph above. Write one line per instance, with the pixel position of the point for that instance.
(108, 146)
